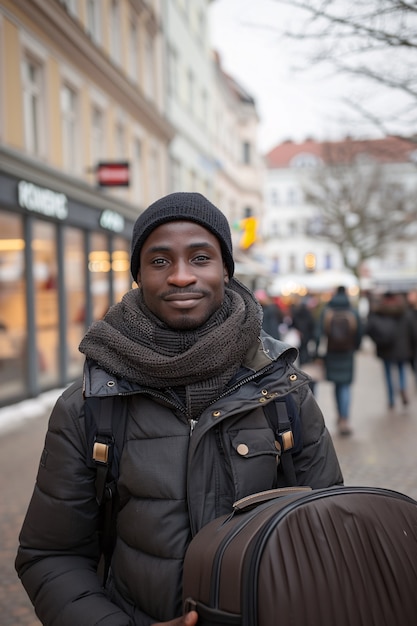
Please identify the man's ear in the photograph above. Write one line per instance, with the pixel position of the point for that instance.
(138, 278)
(226, 275)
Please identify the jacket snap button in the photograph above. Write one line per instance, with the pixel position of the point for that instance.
(293, 377)
(216, 413)
(242, 449)
(264, 392)
(262, 399)
(110, 383)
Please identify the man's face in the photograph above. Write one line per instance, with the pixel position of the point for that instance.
(182, 274)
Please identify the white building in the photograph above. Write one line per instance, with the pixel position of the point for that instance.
(189, 95)
(290, 251)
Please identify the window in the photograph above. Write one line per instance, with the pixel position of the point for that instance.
(154, 185)
(133, 65)
(115, 28)
(13, 325)
(328, 261)
(190, 94)
(70, 6)
(74, 280)
(149, 82)
(99, 267)
(97, 136)
(204, 107)
(45, 274)
(122, 280)
(175, 171)
(291, 196)
(274, 197)
(93, 20)
(33, 106)
(292, 228)
(137, 173)
(69, 128)
(172, 72)
(120, 142)
(246, 153)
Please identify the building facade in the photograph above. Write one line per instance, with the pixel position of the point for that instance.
(86, 85)
(293, 254)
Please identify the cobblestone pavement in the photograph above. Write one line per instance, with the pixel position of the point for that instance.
(381, 452)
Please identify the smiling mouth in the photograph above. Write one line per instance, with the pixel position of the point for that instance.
(183, 300)
(183, 297)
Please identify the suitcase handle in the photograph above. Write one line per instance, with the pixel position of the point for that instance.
(249, 502)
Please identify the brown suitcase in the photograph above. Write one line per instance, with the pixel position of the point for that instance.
(343, 556)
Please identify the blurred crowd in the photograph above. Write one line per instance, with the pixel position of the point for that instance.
(388, 319)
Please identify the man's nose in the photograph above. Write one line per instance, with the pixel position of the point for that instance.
(182, 274)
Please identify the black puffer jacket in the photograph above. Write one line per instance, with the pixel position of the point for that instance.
(171, 484)
(392, 328)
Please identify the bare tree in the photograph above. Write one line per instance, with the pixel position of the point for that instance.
(361, 207)
(374, 43)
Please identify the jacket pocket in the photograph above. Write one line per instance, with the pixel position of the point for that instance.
(254, 460)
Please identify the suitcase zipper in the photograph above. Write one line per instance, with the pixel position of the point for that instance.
(217, 562)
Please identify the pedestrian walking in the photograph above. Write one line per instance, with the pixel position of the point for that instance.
(412, 303)
(185, 355)
(272, 314)
(303, 321)
(340, 324)
(391, 326)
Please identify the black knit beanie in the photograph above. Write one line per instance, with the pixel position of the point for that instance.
(192, 207)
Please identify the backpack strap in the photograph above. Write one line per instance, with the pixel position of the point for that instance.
(106, 425)
(277, 415)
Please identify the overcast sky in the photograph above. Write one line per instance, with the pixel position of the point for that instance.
(292, 105)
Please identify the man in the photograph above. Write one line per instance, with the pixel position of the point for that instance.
(185, 351)
(341, 325)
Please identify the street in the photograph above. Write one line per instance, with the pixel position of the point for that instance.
(381, 452)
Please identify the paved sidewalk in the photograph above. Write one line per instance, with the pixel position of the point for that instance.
(381, 452)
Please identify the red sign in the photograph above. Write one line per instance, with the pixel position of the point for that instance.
(113, 174)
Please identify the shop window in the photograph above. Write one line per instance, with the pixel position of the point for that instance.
(45, 276)
(75, 290)
(122, 280)
(99, 266)
(13, 337)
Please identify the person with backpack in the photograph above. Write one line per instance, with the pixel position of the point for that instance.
(392, 328)
(211, 409)
(341, 326)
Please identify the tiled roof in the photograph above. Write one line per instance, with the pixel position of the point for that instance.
(387, 150)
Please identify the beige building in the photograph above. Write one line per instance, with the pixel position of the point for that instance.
(86, 100)
(81, 83)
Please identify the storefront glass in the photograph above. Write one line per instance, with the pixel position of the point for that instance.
(75, 290)
(121, 268)
(13, 333)
(99, 267)
(45, 275)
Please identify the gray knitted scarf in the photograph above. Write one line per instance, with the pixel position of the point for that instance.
(132, 343)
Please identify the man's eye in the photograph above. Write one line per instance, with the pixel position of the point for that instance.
(201, 258)
(158, 262)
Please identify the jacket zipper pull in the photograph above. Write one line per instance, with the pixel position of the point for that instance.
(192, 425)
